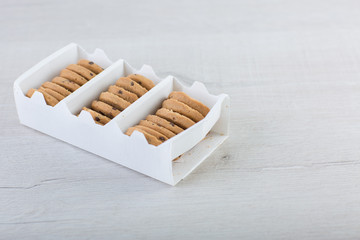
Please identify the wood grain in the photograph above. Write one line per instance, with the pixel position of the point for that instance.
(290, 169)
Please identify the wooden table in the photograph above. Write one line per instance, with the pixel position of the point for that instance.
(290, 169)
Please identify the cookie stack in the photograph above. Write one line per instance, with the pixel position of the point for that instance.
(178, 113)
(118, 97)
(70, 79)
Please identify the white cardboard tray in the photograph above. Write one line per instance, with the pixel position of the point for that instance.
(109, 141)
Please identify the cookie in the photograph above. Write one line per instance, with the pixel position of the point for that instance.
(164, 123)
(56, 88)
(30, 92)
(98, 117)
(84, 72)
(175, 117)
(156, 127)
(104, 109)
(121, 92)
(183, 109)
(114, 100)
(73, 76)
(90, 65)
(150, 138)
(142, 81)
(131, 86)
(195, 104)
(156, 134)
(63, 82)
(56, 95)
(50, 100)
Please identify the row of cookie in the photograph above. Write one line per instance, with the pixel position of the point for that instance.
(118, 97)
(178, 112)
(68, 81)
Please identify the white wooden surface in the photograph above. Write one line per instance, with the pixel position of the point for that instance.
(290, 169)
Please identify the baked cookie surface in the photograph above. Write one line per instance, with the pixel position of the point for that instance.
(142, 81)
(105, 109)
(114, 100)
(156, 134)
(73, 76)
(53, 86)
(30, 92)
(158, 128)
(150, 138)
(63, 82)
(175, 117)
(84, 72)
(98, 117)
(183, 109)
(193, 103)
(121, 92)
(164, 123)
(131, 86)
(53, 93)
(90, 65)
(50, 100)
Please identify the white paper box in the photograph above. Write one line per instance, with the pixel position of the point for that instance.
(194, 144)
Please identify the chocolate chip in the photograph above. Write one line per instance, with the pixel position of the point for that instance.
(114, 108)
(120, 91)
(162, 138)
(132, 83)
(91, 63)
(97, 119)
(140, 82)
(172, 124)
(91, 74)
(159, 125)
